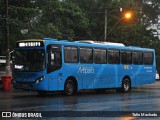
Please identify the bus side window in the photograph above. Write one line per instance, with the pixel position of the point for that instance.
(113, 56)
(148, 58)
(54, 58)
(137, 57)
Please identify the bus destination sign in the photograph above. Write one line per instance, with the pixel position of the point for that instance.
(30, 44)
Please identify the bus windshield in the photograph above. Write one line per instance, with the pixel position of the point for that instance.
(29, 60)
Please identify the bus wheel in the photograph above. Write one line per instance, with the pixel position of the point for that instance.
(126, 85)
(70, 88)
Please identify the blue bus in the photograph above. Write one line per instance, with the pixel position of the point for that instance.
(60, 65)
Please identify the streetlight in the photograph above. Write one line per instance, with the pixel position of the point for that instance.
(127, 15)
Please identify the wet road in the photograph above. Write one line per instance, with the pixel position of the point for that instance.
(144, 98)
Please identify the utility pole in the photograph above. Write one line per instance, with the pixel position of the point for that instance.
(105, 24)
(8, 69)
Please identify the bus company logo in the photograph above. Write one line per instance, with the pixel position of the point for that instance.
(126, 67)
(6, 114)
(85, 70)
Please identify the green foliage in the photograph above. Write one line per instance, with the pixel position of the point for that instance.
(78, 19)
(82, 19)
(151, 10)
(56, 19)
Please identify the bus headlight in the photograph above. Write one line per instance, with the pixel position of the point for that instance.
(39, 79)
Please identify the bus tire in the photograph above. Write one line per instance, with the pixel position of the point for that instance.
(70, 88)
(126, 85)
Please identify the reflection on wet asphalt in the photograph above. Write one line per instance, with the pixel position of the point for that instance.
(144, 98)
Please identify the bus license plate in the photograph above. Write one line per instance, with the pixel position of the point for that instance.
(24, 85)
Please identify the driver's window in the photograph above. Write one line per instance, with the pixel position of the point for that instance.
(54, 58)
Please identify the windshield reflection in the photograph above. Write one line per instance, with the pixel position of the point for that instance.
(29, 60)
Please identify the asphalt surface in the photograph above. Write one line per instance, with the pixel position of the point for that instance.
(86, 104)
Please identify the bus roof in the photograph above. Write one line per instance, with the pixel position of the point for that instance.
(86, 43)
(100, 42)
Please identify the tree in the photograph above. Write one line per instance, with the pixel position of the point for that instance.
(60, 20)
(150, 11)
(41, 18)
(22, 16)
(95, 10)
